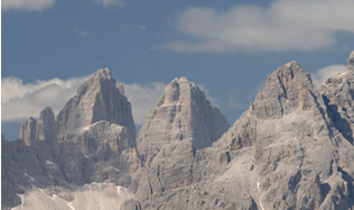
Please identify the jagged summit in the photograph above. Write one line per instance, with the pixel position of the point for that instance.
(97, 99)
(182, 113)
(180, 90)
(101, 79)
(288, 88)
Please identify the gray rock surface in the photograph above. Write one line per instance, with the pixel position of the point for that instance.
(46, 127)
(28, 131)
(182, 114)
(112, 151)
(21, 171)
(97, 99)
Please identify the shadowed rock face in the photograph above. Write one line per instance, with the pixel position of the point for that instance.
(46, 127)
(97, 99)
(182, 114)
(338, 94)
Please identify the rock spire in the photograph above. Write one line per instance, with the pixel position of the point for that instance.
(182, 113)
(28, 131)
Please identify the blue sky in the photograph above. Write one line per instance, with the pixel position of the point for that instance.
(228, 47)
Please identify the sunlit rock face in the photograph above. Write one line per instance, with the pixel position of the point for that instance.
(182, 114)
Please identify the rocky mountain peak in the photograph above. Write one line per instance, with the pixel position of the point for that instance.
(97, 99)
(180, 90)
(101, 79)
(182, 114)
(351, 62)
(288, 88)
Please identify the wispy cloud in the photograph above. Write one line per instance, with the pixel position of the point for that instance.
(30, 5)
(231, 103)
(284, 25)
(118, 3)
(39, 5)
(80, 32)
(129, 28)
(324, 73)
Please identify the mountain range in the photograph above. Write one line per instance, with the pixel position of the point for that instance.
(292, 149)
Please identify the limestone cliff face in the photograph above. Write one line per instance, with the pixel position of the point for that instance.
(288, 90)
(182, 114)
(111, 150)
(46, 127)
(97, 99)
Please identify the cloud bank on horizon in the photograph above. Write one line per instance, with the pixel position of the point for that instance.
(39, 5)
(301, 25)
(21, 101)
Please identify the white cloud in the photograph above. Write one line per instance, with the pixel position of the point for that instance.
(31, 5)
(143, 98)
(20, 101)
(283, 25)
(81, 33)
(324, 73)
